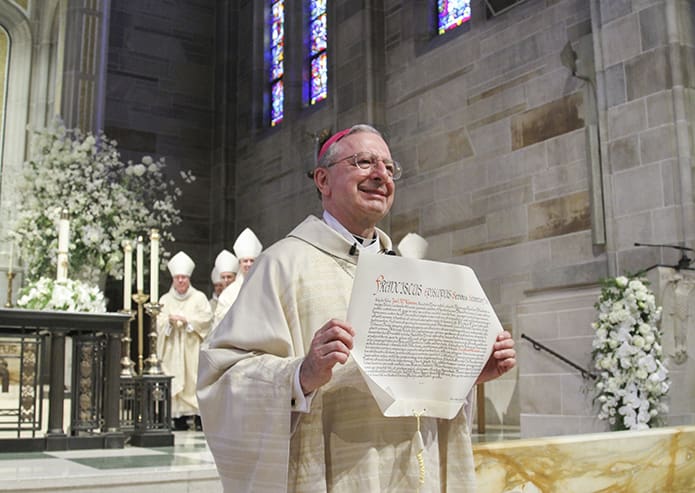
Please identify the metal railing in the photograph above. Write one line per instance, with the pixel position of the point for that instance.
(538, 347)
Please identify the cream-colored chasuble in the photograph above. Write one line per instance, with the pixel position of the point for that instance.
(226, 299)
(344, 444)
(178, 347)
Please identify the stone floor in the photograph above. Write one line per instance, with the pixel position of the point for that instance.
(186, 466)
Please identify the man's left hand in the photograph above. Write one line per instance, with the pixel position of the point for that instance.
(502, 359)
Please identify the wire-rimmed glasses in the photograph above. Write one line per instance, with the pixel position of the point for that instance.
(366, 161)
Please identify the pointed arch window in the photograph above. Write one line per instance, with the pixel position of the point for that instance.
(452, 14)
(277, 61)
(318, 47)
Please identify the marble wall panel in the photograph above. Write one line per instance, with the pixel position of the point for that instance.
(639, 462)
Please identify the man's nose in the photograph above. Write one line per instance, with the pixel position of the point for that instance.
(380, 170)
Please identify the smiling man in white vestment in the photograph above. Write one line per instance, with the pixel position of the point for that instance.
(284, 407)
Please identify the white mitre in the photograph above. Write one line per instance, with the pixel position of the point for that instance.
(247, 245)
(215, 276)
(413, 246)
(181, 265)
(226, 262)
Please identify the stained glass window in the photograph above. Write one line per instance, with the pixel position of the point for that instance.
(277, 59)
(452, 13)
(318, 57)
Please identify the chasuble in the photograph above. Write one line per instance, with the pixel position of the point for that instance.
(343, 444)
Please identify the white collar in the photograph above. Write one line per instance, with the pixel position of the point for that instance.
(373, 247)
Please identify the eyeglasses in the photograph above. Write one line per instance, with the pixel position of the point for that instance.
(366, 161)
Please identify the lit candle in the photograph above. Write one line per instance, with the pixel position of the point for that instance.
(154, 266)
(139, 264)
(63, 240)
(127, 274)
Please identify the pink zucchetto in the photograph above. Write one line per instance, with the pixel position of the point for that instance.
(332, 140)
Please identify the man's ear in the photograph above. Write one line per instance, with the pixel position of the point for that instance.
(321, 180)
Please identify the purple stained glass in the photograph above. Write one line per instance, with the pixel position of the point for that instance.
(319, 37)
(277, 59)
(277, 66)
(319, 78)
(452, 13)
(277, 32)
(318, 44)
(316, 8)
(278, 98)
(277, 23)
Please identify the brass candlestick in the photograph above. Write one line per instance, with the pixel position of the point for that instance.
(127, 364)
(10, 277)
(154, 364)
(140, 298)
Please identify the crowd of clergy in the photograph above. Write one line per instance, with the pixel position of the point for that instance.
(188, 318)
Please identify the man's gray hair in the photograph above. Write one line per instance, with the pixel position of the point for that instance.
(330, 155)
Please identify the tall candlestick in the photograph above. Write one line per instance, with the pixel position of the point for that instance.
(127, 274)
(154, 266)
(63, 231)
(139, 265)
(63, 242)
(9, 265)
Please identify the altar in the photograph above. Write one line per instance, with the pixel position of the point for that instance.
(32, 364)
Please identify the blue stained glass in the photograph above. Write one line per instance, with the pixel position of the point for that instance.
(278, 11)
(277, 31)
(452, 13)
(318, 45)
(319, 37)
(277, 57)
(316, 8)
(319, 78)
(278, 99)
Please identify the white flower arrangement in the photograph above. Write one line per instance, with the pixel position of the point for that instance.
(108, 201)
(632, 381)
(68, 295)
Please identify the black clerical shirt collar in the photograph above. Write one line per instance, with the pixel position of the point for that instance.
(364, 241)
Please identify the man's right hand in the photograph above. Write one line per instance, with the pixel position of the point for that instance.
(331, 344)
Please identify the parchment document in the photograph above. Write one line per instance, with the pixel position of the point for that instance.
(424, 331)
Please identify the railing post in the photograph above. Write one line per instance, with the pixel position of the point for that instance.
(114, 436)
(56, 391)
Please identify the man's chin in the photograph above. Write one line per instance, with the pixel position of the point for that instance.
(377, 212)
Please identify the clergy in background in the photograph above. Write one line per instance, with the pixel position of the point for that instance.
(228, 266)
(217, 287)
(246, 247)
(181, 326)
(413, 246)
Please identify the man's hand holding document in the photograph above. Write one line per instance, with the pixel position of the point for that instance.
(424, 331)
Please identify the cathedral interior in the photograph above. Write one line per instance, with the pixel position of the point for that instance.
(546, 144)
